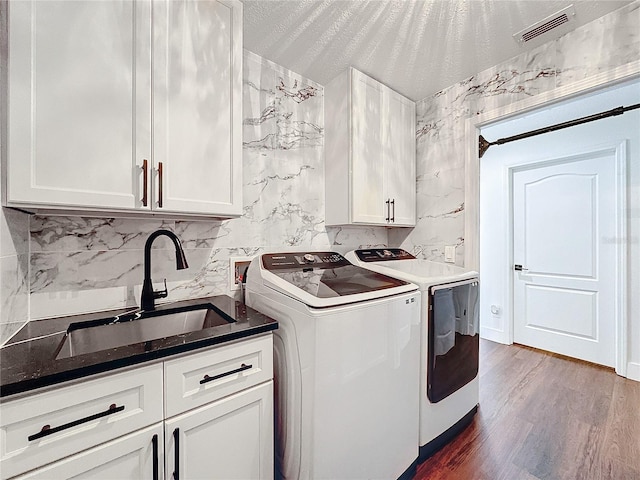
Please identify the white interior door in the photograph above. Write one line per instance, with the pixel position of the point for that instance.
(564, 226)
(499, 303)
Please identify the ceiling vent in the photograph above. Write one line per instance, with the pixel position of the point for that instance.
(559, 23)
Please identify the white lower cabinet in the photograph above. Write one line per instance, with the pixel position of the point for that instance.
(228, 439)
(120, 427)
(39, 429)
(135, 456)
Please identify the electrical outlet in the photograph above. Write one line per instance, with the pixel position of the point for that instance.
(237, 268)
(450, 253)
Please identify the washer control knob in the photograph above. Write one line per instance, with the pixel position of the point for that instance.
(387, 253)
(308, 258)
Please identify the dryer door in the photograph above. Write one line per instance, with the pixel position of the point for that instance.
(454, 338)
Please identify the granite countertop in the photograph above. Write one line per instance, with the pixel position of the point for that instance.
(28, 361)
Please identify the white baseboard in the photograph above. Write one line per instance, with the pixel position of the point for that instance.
(497, 336)
(633, 371)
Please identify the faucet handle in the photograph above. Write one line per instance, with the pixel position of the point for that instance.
(161, 293)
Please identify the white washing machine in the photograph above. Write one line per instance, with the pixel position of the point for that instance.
(449, 390)
(346, 366)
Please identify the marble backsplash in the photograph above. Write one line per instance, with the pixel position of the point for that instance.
(606, 43)
(63, 265)
(14, 271)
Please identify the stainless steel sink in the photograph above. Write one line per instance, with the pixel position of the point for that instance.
(103, 334)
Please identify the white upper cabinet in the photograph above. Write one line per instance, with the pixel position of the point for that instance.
(370, 153)
(74, 132)
(197, 86)
(399, 150)
(93, 128)
(368, 202)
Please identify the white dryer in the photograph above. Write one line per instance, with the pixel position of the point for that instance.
(449, 390)
(346, 366)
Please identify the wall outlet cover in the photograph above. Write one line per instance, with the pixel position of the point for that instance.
(450, 253)
(237, 267)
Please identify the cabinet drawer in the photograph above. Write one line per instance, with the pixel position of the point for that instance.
(194, 380)
(45, 427)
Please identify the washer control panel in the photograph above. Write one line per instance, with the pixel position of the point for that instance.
(301, 260)
(383, 254)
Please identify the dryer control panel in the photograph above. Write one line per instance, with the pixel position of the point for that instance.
(383, 254)
(302, 260)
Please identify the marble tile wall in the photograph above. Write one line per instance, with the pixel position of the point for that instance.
(80, 264)
(605, 43)
(14, 271)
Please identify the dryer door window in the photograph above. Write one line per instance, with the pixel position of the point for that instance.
(454, 338)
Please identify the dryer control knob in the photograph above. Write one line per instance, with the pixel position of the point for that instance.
(309, 258)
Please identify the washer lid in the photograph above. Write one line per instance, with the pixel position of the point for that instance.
(327, 275)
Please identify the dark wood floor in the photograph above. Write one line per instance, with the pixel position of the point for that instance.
(544, 416)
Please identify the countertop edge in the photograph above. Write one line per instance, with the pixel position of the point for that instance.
(27, 385)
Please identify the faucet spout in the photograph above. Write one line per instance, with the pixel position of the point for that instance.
(147, 301)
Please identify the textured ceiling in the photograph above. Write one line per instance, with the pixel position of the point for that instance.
(417, 47)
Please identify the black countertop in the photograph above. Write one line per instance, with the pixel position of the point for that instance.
(28, 361)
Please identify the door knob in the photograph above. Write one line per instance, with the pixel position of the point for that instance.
(518, 268)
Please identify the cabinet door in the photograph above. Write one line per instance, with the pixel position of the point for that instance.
(367, 168)
(231, 438)
(137, 456)
(399, 150)
(197, 74)
(79, 103)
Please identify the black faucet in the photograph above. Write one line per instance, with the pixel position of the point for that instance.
(147, 302)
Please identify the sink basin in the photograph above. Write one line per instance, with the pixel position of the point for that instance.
(106, 333)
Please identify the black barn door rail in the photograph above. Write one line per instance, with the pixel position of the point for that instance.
(483, 144)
